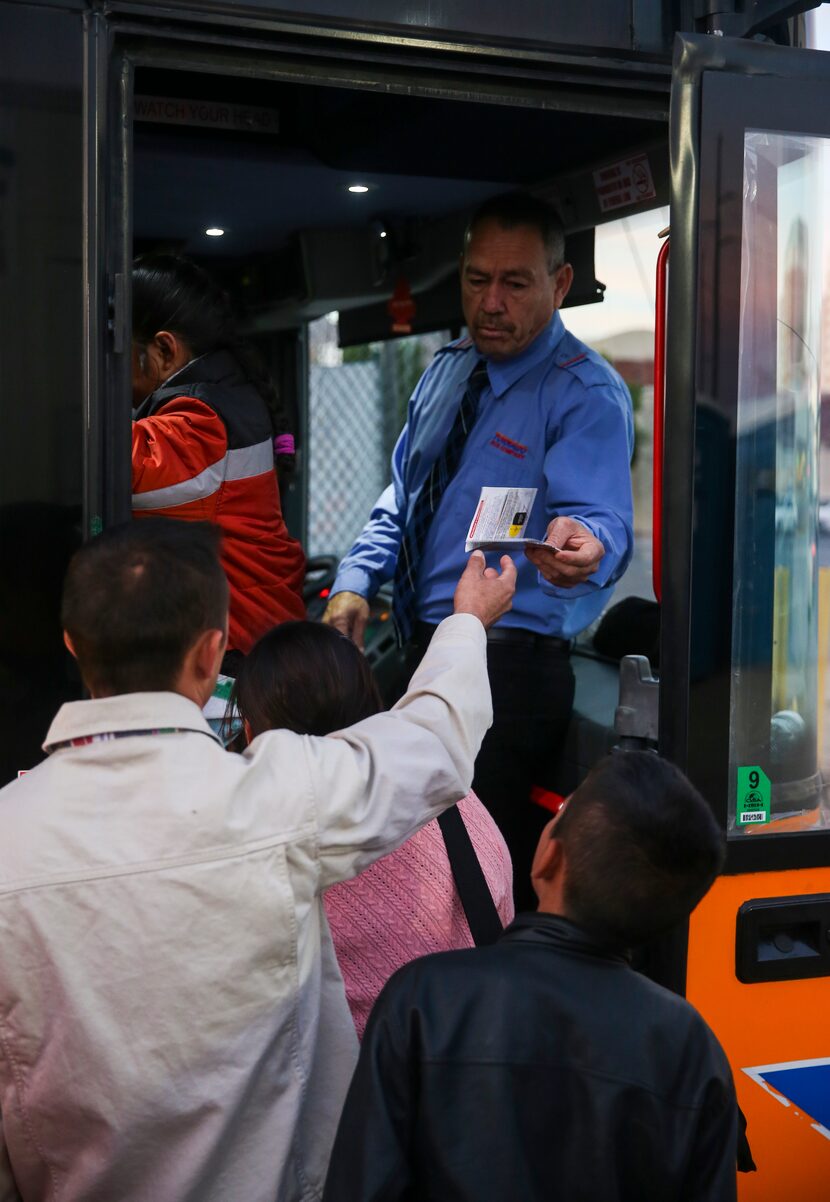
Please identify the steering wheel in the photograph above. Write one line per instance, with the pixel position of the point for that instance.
(320, 572)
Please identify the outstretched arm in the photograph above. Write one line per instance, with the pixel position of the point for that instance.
(588, 494)
(376, 783)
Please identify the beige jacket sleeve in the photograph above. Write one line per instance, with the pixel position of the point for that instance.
(378, 782)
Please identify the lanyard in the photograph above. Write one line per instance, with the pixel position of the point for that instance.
(110, 735)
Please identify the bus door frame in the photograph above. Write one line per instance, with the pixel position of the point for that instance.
(123, 38)
(721, 87)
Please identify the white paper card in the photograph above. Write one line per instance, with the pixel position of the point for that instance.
(500, 520)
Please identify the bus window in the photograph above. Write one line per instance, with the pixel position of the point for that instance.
(361, 392)
(622, 329)
(780, 685)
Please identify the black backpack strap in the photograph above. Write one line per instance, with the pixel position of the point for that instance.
(476, 899)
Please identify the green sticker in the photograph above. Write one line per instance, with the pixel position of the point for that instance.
(753, 796)
(222, 688)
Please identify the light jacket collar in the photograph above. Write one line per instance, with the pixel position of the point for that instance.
(504, 373)
(125, 713)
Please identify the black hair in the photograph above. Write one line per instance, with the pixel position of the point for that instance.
(641, 848)
(512, 209)
(173, 293)
(305, 677)
(137, 597)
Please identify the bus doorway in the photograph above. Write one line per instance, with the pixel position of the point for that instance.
(317, 206)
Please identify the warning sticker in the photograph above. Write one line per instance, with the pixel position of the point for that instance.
(753, 798)
(209, 114)
(627, 182)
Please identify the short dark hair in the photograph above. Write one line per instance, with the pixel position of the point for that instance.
(513, 209)
(137, 597)
(305, 677)
(642, 847)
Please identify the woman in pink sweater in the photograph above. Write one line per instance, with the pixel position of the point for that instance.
(309, 678)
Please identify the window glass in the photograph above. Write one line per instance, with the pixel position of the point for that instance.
(780, 686)
(621, 328)
(357, 408)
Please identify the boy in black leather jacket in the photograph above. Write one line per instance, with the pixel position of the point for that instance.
(543, 1066)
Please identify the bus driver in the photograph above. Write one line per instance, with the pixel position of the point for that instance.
(520, 402)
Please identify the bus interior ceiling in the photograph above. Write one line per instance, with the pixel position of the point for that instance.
(298, 244)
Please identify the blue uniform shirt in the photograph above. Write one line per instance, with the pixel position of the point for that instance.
(556, 417)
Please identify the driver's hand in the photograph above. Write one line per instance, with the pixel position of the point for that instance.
(348, 613)
(572, 555)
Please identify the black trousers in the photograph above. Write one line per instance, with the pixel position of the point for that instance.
(533, 689)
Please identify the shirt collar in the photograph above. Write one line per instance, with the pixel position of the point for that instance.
(504, 373)
(125, 713)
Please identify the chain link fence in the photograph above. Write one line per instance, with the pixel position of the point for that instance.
(357, 408)
(347, 466)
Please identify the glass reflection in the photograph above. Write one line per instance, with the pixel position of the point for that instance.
(781, 596)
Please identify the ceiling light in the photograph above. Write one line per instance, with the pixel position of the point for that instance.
(214, 231)
(358, 188)
(383, 233)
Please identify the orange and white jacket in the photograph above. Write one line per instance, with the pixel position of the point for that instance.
(203, 451)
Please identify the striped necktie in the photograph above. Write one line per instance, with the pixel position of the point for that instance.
(442, 471)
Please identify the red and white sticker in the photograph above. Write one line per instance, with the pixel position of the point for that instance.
(628, 182)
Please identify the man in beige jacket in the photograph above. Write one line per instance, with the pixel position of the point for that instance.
(173, 1026)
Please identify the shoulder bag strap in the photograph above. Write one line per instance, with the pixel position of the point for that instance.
(470, 881)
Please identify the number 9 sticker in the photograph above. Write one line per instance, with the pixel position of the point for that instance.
(753, 796)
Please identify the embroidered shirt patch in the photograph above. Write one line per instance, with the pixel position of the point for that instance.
(510, 447)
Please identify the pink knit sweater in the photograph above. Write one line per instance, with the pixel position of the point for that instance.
(406, 905)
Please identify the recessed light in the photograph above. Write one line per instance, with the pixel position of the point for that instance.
(358, 188)
(214, 231)
(383, 233)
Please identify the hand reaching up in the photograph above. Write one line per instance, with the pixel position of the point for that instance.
(485, 592)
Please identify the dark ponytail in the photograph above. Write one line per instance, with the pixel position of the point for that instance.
(173, 293)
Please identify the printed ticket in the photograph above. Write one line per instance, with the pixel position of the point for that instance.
(500, 521)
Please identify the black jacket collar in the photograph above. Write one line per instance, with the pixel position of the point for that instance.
(215, 367)
(560, 934)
